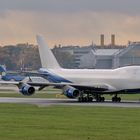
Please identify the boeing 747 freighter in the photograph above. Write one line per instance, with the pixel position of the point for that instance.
(87, 84)
(83, 84)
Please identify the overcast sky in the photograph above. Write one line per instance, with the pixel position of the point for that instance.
(69, 22)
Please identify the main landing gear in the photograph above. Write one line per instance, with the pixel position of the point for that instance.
(116, 99)
(98, 98)
(90, 97)
(87, 98)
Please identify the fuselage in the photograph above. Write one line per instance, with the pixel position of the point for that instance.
(120, 78)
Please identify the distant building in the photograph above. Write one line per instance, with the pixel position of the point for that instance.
(76, 51)
(99, 59)
(64, 49)
(107, 57)
(112, 58)
(128, 56)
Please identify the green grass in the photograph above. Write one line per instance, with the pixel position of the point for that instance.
(50, 93)
(28, 122)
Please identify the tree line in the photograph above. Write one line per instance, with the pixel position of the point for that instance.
(25, 56)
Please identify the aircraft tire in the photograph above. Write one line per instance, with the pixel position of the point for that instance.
(90, 99)
(80, 99)
(85, 99)
(116, 99)
(119, 99)
(100, 99)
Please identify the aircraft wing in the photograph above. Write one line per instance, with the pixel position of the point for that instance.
(94, 87)
(30, 73)
(9, 82)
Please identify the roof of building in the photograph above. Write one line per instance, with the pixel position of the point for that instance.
(106, 52)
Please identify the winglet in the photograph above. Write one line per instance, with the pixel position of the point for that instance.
(48, 60)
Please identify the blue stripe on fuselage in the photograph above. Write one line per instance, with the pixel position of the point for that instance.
(53, 77)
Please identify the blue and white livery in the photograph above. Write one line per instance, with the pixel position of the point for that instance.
(86, 84)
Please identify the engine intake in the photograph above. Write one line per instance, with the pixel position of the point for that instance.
(27, 90)
(71, 92)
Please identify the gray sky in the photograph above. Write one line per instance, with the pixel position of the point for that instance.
(66, 22)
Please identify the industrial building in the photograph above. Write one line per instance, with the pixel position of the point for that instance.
(103, 56)
(112, 58)
(99, 59)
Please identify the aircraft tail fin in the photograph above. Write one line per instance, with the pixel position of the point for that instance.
(2, 68)
(48, 60)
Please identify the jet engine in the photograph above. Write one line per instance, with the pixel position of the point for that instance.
(71, 92)
(26, 89)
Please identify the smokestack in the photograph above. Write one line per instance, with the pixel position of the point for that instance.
(102, 40)
(112, 40)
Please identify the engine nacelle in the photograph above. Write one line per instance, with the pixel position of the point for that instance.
(27, 90)
(71, 92)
